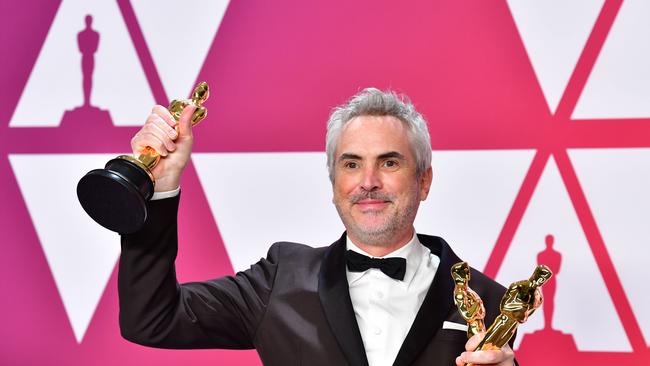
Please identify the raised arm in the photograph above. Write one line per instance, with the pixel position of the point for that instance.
(157, 311)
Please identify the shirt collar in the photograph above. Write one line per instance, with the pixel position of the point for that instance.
(413, 252)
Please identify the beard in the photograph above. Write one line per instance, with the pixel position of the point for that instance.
(393, 219)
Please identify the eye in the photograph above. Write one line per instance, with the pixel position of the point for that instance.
(350, 165)
(391, 164)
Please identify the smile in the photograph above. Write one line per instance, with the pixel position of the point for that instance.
(372, 204)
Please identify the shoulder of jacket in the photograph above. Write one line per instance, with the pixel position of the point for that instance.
(485, 285)
(290, 249)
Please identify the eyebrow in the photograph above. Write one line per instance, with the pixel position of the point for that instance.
(386, 155)
(392, 154)
(349, 156)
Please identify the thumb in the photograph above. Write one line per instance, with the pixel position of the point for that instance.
(473, 342)
(185, 121)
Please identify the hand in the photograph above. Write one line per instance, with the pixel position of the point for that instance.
(174, 147)
(503, 357)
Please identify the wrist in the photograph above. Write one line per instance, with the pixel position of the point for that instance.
(165, 184)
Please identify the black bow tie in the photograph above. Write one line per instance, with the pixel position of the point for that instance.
(392, 267)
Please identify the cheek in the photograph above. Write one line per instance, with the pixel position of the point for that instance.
(400, 185)
(409, 191)
(338, 193)
(344, 185)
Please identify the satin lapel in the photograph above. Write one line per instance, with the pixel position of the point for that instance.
(437, 303)
(335, 298)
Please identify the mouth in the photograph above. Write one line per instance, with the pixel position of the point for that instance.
(372, 204)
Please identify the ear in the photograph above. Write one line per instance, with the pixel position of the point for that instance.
(425, 183)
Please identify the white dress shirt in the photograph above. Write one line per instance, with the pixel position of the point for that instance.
(385, 307)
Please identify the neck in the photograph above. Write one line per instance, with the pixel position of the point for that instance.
(391, 245)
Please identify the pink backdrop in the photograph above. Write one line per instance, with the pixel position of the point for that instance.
(473, 68)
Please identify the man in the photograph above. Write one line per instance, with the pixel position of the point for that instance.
(316, 306)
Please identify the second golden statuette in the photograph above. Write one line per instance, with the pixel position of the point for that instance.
(520, 300)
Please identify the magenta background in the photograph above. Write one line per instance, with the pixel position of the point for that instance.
(277, 67)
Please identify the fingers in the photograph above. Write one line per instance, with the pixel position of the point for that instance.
(504, 357)
(157, 132)
(143, 139)
(162, 125)
(164, 113)
(473, 342)
(161, 130)
(479, 358)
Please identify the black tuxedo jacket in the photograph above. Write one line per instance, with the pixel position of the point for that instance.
(293, 306)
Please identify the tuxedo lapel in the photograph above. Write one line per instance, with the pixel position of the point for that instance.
(436, 305)
(334, 296)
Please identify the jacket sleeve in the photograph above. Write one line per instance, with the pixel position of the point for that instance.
(157, 311)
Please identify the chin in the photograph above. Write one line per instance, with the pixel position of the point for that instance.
(373, 229)
(374, 235)
(377, 240)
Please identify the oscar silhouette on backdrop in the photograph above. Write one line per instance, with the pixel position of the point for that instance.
(553, 260)
(88, 43)
(88, 40)
(549, 338)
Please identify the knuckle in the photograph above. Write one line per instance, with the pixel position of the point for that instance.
(150, 128)
(151, 120)
(136, 140)
(160, 147)
(169, 120)
(158, 120)
(162, 113)
(164, 125)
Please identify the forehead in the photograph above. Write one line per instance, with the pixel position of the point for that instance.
(373, 134)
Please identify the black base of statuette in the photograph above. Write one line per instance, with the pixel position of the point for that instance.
(116, 197)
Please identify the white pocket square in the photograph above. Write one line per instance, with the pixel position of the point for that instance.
(456, 326)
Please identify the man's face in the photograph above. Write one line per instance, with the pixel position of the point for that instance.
(376, 189)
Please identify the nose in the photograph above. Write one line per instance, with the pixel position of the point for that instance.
(370, 181)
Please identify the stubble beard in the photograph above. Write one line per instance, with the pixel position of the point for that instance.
(382, 234)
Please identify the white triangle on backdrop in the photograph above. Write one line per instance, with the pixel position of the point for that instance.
(616, 183)
(179, 36)
(55, 83)
(619, 84)
(470, 198)
(554, 33)
(260, 198)
(80, 253)
(583, 306)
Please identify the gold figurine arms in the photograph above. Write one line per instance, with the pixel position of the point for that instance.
(469, 303)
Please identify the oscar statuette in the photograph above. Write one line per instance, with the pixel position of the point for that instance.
(116, 196)
(520, 300)
(469, 303)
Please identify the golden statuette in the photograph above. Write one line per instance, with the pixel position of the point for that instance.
(518, 303)
(520, 300)
(470, 306)
(116, 196)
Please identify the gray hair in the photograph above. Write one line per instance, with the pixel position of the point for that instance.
(374, 102)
